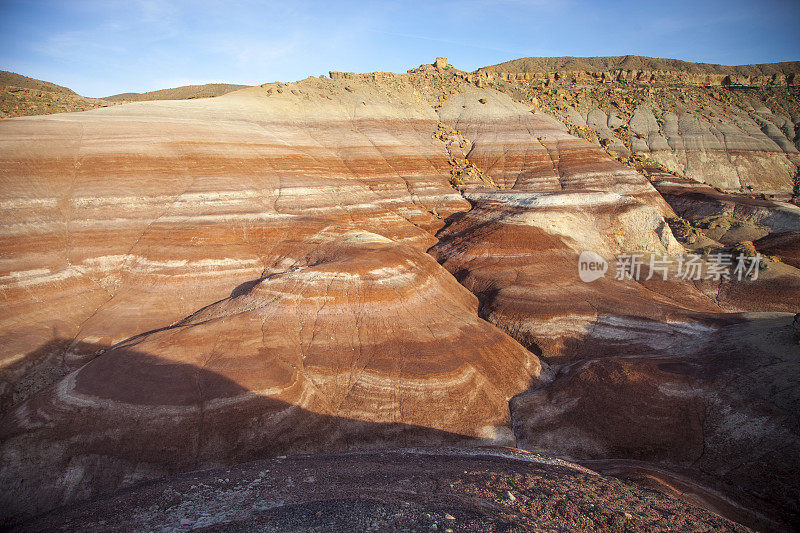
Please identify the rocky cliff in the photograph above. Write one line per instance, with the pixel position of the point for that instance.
(732, 127)
(645, 70)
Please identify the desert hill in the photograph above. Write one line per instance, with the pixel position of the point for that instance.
(732, 127)
(23, 96)
(390, 260)
(15, 80)
(208, 90)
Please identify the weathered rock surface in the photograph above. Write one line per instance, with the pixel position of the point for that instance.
(305, 219)
(784, 246)
(714, 400)
(732, 216)
(130, 218)
(729, 223)
(359, 343)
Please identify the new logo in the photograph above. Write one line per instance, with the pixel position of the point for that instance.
(591, 266)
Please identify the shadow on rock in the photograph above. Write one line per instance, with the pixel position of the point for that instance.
(718, 408)
(127, 417)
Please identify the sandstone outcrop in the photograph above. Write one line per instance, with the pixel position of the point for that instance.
(643, 70)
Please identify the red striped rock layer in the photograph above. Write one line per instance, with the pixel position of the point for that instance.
(698, 202)
(290, 229)
(519, 253)
(733, 218)
(355, 341)
(639, 369)
(519, 247)
(127, 219)
(303, 214)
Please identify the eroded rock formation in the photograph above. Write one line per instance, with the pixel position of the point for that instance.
(292, 268)
(732, 127)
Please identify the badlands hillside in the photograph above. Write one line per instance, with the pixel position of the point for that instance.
(347, 298)
(730, 127)
(22, 96)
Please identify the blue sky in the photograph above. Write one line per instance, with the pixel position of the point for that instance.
(104, 47)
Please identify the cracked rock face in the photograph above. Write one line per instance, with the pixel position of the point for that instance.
(294, 269)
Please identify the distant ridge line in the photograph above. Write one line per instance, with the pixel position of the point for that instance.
(633, 62)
